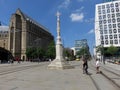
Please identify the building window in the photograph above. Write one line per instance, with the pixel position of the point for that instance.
(106, 42)
(101, 31)
(113, 20)
(114, 25)
(105, 31)
(105, 26)
(108, 10)
(102, 42)
(118, 30)
(113, 15)
(104, 16)
(115, 36)
(112, 10)
(103, 11)
(107, 6)
(119, 25)
(118, 19)
(108, 15)
(109, 20)
(102, 37)
(118, 14)
(116, 41)
(106, 36)
(6, 35)
(99, 12)
(119, 35)
(112, 5)
(100, 22)
(99, 7)
(111, 41)
(110, 31)
(110, 26)
(101, 27)
(104, 21)
(111, 37)
(100, 17)
(117, 9)
(116, 4)
(103, 6)
(115, 31)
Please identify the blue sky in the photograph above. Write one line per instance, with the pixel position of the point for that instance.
(77, 16)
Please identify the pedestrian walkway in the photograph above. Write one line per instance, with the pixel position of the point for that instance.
(16, 63)
(114, 66)
(42, 78)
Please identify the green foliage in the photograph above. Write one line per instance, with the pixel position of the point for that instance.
(68, 53)
(31, 52)
(84, 51)
(50, 52)
(112, 50)
(100, 49)
(35, 52)
(40, 52)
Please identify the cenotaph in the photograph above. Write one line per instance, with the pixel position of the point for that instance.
(59, 62)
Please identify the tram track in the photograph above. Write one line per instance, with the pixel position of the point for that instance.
(92, 79)
(109, 76)
(95, 83)
(17, 69)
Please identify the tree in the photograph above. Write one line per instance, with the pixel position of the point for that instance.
(112, 50)
(31, 52)
(68, 53)
(50, 53)
(84, 51)
(100, 49)
(40, 52)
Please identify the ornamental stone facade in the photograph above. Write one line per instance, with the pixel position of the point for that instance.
(25, 33)
(4, 36)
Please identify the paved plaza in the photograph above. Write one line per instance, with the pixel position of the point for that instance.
(42, 78)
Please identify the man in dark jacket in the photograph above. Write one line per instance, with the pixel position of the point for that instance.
(85, 64)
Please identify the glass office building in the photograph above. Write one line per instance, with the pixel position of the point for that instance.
(80, 44)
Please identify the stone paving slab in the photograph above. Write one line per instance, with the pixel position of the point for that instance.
(41, 78)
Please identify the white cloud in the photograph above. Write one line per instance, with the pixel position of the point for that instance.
(91, 31)
(77, 17)
(65, 4)
(80, 9)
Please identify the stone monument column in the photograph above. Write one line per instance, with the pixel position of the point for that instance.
(59, 62)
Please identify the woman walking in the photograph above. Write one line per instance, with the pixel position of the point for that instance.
(97, 66)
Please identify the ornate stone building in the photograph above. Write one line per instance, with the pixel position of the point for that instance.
(4, 37)
(26, 32)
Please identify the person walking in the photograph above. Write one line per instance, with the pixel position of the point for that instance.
(97, 66)
(85, 65)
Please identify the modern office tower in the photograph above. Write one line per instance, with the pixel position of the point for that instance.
(80, 44)
(107, 24)
(25, 33)
(4, 36)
